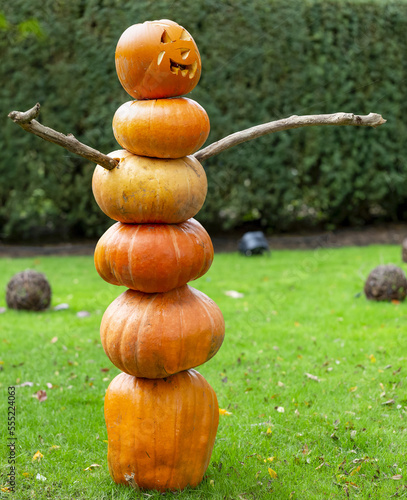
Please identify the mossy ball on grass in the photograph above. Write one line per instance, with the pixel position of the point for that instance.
(404, 250)
(28, 290)
(386, 282)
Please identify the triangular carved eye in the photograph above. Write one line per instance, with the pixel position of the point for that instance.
(185, 36)
(160, 57)
(165, 37)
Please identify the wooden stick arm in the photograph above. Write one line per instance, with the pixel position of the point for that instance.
(27, 121)
(370, 120)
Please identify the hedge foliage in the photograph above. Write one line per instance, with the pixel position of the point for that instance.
(262, 60)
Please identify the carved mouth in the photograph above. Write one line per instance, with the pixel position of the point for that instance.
(185, 69)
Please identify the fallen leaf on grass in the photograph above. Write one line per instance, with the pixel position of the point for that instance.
(130, 480)
(40, 395)
(93, 466)
(355, 470)
(224, 412)
(83, 314)
(37, 456)
(397, 477)
(234, 294)
(61, 307)
(273, 473)
(353, 389)
(389, 402)
(54, 339)
(26, 384)
(312, 377)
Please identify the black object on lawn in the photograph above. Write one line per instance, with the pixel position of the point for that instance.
(253, 243)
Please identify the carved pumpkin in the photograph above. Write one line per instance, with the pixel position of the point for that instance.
(153, 257)
(162, 128)
(157, 59)
(142, 189)
(156, 335)
(160, 431)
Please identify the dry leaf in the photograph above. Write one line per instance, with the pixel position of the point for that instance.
(397, 477)
(389, 402)
(37, 456)
(234, 294)
(312, 377)
(40, 395)
(131, 481)
(224, 412)
(61, 307)
(26, 384)
(83, 314)
(273, 473)
(93, 466)
(54, 339)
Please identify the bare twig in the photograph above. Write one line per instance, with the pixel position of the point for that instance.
(27, 121)
(370, 120)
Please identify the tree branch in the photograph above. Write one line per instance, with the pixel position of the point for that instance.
(370, 120)
(27, 121)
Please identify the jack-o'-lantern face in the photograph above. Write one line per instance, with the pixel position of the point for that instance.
(157, 59)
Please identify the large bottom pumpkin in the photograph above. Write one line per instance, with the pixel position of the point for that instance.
(160, 432)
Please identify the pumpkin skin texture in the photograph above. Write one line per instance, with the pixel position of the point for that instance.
(161, 128)
(142, 190)
(157, 335)
(162, 430)
(157, 59)
(153, 258)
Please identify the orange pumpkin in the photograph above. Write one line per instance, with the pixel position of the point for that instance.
(142, 189)
(155, 335)
(162, 128)
(157, 59)
(160, 432)
(153, 257)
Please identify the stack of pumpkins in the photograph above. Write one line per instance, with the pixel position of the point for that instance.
(161, 415)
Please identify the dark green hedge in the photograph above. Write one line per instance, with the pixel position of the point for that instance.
(262, 60)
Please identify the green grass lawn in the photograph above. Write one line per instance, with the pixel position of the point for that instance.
(338, 432)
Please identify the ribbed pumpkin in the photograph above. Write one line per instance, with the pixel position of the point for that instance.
(142, 189)
(162, 128)
(153, 257)
(156, 335)
(157, 59)
(160, 431)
